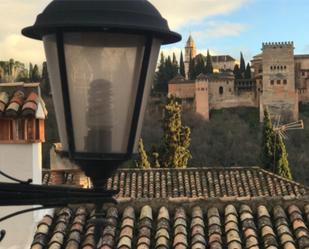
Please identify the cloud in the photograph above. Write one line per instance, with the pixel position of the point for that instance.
(22, 49)
(220, 30)
(181, 12)
(17, 14)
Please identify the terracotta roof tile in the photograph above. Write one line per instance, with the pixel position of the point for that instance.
(199, 227)
(18, 100)
(191, 183)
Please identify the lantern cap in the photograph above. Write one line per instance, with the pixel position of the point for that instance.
(131, 16)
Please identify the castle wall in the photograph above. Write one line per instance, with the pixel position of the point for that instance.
(222, 95)
(201, 98)
(182, 90)
(279, 93)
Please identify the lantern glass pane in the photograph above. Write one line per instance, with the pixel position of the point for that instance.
(148, 84)
(103, 73)
(50, 46)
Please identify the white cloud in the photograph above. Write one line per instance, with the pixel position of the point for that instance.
(181, 12)
(17, 14)
(220, 30)
(22, 49)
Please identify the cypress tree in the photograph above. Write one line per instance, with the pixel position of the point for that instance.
(236, 72)
(200, 65)
(248, 72)
(30, 71)
(242, 65)
(175, 65)
(192, 74)
(11, 66)
(281, 157)
(35, 74)
(209, 68)
(160, 75)
(268, 136)
(45, 80)
(143, 162)
(175, 151)
(182, 66)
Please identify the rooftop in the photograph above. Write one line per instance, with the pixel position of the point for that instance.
(21, 100)
(186, 208)
(188, 184)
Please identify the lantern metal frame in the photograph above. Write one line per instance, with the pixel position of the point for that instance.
(137, 17)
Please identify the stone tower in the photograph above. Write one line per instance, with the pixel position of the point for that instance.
(279, 94)
(190, 50)
(201, 96)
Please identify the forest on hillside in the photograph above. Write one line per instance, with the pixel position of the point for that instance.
(232, 137)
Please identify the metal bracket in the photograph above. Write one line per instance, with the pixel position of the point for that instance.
(15, 179)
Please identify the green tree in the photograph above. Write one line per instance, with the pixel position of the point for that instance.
(268, 139)
(175, 65)
(191, 72)
(143, 162)
(237, 72)
(248, 72)
(160, 76)
(11, 66)
(45, 84)
(182, 66)
(30, 71)
(35, 74)
(199, 65)
(209, 68)
(281, 158)
(175, 151)
(242, 65)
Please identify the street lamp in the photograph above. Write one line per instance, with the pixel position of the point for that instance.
(101, 57)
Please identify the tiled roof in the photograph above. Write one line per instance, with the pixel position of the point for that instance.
(20, 100)
(194, 208)
(201, 183)
(233, 226)
(222, 58)
(179, 79)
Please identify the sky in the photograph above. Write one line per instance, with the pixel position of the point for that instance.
(222, 26)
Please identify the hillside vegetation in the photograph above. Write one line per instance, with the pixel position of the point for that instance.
(232, 138)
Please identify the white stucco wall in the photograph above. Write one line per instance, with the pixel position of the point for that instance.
(22, 161)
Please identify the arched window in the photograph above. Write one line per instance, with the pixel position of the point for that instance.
(221, 90)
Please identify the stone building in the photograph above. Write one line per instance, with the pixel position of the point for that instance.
(280, 80)
(190, 52)
(220, 63)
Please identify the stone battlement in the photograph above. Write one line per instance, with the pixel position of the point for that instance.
(276, 44)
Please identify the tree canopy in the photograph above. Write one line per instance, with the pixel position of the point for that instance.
(174, 150)
(182, 65)
(209, 68)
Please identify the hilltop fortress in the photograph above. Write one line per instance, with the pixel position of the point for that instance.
(280, 80)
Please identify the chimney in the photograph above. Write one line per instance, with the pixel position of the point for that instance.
(22, 114)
